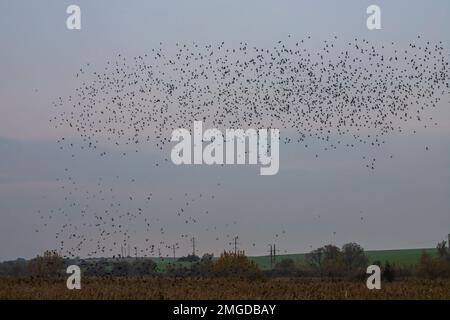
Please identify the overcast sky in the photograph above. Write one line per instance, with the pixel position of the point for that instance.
(403, 203)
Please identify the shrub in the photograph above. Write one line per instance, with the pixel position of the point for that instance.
(121, 268)
(433, 267)
(442, 249)
(334, 266)
(286, 267)
(388, 272)
(354, 257)
(50, 265)
(236, 266)
(143, 267)
(203, 268)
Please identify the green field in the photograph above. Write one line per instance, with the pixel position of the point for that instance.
(399, 257)
(405, 257)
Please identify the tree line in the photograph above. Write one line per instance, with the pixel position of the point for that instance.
(331, 262)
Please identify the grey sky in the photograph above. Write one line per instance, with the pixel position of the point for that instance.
(405, 202)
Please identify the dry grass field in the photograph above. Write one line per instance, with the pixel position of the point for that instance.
(166, 288)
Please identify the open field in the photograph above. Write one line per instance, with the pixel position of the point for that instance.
(401, 257)
(169, 288)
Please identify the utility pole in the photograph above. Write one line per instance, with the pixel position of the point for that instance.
(274, 254)
(235, 245)
(193, 246)
(271, 258)
(173, 248)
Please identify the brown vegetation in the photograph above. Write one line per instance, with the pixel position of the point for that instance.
(219, 288)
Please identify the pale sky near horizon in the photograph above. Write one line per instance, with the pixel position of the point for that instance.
(404, 202)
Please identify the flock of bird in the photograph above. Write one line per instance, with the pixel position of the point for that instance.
(338, 94)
